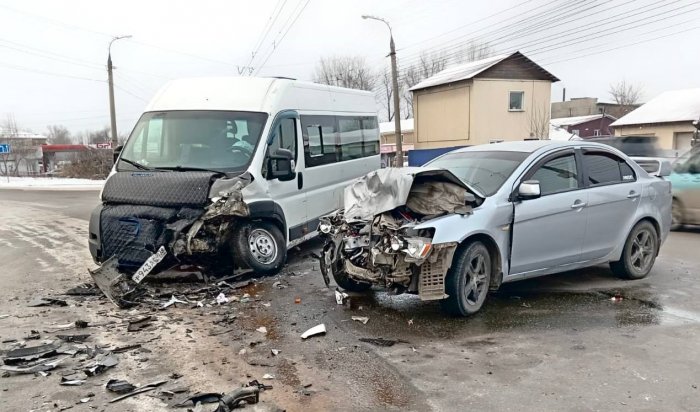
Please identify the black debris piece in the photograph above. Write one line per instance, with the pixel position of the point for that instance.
(249, 394)
(33, 335)
(47, 302)
(120, 349)
(31, 353)
(380, 341)
(119, 386)
(34, 367)
(137, 324)
(86, 289)
(81, 324)
(142, 389)
(73, 338)
(175, 375)
(207, 397)
(101, 364)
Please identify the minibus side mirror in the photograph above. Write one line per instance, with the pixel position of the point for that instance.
(116, 152)
(280, 165)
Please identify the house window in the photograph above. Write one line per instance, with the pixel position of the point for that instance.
(576, 132)
(515, 101)
(596, 132)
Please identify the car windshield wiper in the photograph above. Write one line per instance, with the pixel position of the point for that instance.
(136, 164)
(190, 169)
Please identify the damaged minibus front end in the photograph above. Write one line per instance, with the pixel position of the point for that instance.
(184, 217)
(384, 235)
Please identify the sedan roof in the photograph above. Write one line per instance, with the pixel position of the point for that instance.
(526, 146)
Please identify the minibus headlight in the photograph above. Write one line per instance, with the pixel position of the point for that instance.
(325, 228)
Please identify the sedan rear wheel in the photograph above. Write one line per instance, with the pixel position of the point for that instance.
(639, 253)
(467, 282)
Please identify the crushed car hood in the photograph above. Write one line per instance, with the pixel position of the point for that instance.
(427, 191)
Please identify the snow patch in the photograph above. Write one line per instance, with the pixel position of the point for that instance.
(50, 183)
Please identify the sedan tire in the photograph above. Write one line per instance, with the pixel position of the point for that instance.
(467, 282)
(639, 254)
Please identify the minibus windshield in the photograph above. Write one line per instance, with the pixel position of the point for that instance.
(193, 140)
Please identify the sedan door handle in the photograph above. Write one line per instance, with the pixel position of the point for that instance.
(578, 205)
(633, 195)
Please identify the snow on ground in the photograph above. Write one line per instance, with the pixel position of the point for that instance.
(50, 183)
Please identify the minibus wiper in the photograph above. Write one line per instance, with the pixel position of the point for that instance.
(190, 169)
(136, 164)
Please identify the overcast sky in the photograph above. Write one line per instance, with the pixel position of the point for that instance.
(53, 53)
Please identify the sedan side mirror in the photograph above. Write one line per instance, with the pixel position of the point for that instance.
(280, 165)
(116, 152)
(529, 189)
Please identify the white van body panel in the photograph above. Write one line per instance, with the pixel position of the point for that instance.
(323, 185)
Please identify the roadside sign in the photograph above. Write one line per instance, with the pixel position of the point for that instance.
(4, 148)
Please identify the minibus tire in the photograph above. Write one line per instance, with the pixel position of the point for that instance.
(256, 242)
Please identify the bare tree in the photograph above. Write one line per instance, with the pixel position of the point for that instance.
(345, 71)
(59, 135)
(23, 149)
(539, 117)
(431, 63)
(625, 94)
(386, 94)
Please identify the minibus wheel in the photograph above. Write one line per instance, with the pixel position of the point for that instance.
(261, 246)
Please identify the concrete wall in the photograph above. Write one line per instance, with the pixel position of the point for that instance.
(575, 107)
(671, 136)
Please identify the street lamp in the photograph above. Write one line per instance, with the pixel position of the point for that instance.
(395, 87)
(110, 81)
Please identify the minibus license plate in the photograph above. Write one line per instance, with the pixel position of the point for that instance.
(149, 264)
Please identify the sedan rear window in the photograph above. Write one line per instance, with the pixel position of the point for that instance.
(604, 168)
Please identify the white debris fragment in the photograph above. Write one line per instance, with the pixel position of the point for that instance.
(262, 329)
(363, 319)
(316, 330)
(85, 400)
(340, 297)
(4, 316)
(221, 299)
(242, 352)
(275, 352)
(410, 321)
(268, 376)
(200, 304)
(173, 300)
(267, 304)
(279, 285)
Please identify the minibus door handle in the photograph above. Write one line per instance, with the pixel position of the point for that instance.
(300, 180)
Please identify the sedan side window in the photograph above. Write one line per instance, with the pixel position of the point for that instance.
(605, 169)
(557, 175)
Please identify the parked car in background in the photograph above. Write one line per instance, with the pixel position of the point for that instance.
(481, 216)
(633, 146)
(685, 180)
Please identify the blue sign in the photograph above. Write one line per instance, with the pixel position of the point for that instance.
(4, 148)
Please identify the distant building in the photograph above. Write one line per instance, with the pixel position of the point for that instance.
(586, 106)
(669, 117)
(490, 100)
(586, 126)
(388, 140)
(25, 153)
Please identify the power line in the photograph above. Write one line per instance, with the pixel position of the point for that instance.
(275, 44)
(28, 69)
(266, 29)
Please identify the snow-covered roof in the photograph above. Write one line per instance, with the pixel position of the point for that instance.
(570, 121)
(559, 133)
(388, 127)
(468, 70)
(672, 106)
(4, 134)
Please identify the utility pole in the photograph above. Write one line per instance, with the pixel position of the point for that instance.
(110, 81)
(395, 87)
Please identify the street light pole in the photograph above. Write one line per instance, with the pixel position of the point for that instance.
(110, 81)
(395, 87)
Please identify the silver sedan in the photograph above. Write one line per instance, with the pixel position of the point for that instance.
(478, 217)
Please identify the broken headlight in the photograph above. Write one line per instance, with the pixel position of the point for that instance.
(418, 248)
(396, 243)
(325, 227)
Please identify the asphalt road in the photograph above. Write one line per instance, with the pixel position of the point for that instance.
(581, 341)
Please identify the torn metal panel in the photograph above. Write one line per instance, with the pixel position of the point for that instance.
(119, 289)
(386, 189)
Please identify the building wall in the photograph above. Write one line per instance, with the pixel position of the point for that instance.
(671, 136)
(491, 119)
(390, 138)
(576, 107)
(587, 129)
(441, 115)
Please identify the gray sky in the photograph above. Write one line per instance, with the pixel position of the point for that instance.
(53, 54)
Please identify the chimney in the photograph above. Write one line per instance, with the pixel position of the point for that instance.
(563, 95)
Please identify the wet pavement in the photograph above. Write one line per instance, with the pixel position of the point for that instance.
(582, 340)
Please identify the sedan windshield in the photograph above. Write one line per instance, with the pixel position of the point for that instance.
(484, 171)
(190, 140)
